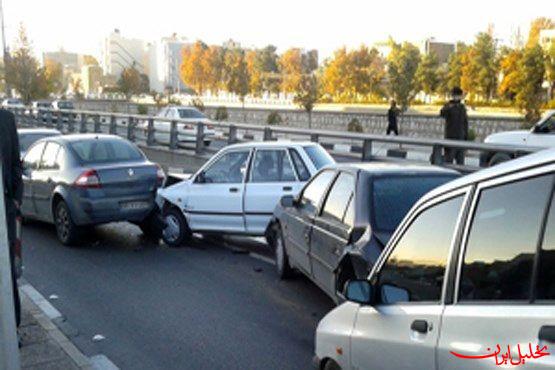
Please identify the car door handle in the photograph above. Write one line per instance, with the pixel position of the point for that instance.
(287, 188)
(420, 326)
(547, 334)
(233, 190)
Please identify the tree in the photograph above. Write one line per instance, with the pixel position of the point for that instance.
(54, 74)
(236, 73)
(23, 72)
(402, 65)
(132, 82)
(550, 69)
(480, 70)
(89, 60)
(307, 94)
(193, 69)
(77, 88)
(213, 67)
(456, 63)
(427, 74)
(255, 71)
(291, 67)
(536, 26)
(510, 72)
(530, 92)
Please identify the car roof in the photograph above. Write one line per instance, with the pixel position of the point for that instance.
(377, 168)
(270, 144)
(23, 131)
(184, 107)
(79, 137)
(530, 161)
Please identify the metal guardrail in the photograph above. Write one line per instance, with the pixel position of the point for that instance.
(141, 128)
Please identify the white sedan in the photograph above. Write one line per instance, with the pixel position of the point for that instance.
(186, 128)
(237, 190)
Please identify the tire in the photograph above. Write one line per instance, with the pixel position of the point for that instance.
(207, 143)
(152, 226)
(499, 158)
(66, 230)
(332, 365)
(176, 232)
(283, 268)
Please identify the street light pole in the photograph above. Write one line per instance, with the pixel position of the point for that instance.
(5, 49)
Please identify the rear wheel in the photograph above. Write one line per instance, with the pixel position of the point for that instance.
(66, 229)
(176, 231)
(284, 270)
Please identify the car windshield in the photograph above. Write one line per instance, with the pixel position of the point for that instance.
(318, 155)
(65, 105)
(26, 140)
(190, 113)
(393, 197)
(14, 101)
(105, 151)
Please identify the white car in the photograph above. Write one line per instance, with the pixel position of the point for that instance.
(237, 190)
(541, 135)
(466, 282)
(12, 103)
(186, 131)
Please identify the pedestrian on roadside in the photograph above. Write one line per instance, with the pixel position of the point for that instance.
(392, 115)
(456, 125)
(13, 191)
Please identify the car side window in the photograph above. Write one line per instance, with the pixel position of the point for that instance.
(272, 166)
(415, 270)
(32, 158)
(300, 167)
(229, 168)
(48, 160)
(315, 190)
(61, 158)
(545, 285)
(339, 196)
(503, 239)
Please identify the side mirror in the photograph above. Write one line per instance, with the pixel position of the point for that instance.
(201, 178)
(359, 291)
(287, 201)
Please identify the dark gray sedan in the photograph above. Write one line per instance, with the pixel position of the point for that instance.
(338, 225)
(81, 180)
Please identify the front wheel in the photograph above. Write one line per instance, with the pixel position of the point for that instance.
(66, 229)
(284, 270)
(176, 230)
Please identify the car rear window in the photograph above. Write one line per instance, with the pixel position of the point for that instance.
(393, 197)
(190, 113)
(105, 151)
(318, 155)
(26, 140)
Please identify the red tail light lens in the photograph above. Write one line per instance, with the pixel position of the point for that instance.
(88, 180)
(188, 127)
(210, 127)
(160, 175)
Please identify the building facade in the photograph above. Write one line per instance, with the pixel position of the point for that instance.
(119, 52)
(442, 50)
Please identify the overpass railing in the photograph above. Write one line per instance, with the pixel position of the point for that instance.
(168, 133)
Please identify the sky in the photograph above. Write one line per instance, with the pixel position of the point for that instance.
(80, 26)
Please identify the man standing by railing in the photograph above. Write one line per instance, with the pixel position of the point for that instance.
(13, 191)
(392, 116)
(456, 124)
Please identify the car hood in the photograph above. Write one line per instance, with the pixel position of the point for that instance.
(509, 137)
(175, 193)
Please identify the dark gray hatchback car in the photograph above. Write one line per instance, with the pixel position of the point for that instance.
(338, 225)
(89, 179)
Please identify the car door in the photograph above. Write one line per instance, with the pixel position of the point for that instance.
(504, 300)
(298, 220)
(162, 128)
(271, 177)
(45, 178)
(401, 330)
(330, 234)
(215, 198)
(30, 167)
(543, 135)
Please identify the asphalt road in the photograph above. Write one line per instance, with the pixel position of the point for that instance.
(204, 306)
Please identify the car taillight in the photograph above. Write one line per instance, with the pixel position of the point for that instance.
(88, 180)
(160, 175)
(210, 127)
(188, 126)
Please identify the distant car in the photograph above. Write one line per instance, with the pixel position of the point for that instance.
(28, 136)
(186, 132)
(86, 179)
(12, 103)
(237, 190)
(466, 282)
(338, 225)
(41, 109)
(63, 105)
(542, 135)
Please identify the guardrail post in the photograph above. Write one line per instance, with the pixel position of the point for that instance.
(49, 120)
(131, 129)
(70, 123)
(150, 132)
(59, 123)
(267, 134)
(367, 150)
(97, 128)
(83, 123)
(232, 138)
(173, 135)
(437, 155)
(113, 128)
(199, 147)
(315, 138)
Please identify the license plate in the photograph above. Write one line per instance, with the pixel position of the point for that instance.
(130, 206)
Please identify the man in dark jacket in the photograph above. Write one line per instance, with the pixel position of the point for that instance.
(392, 114)
(456, 124)
(13, 189)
